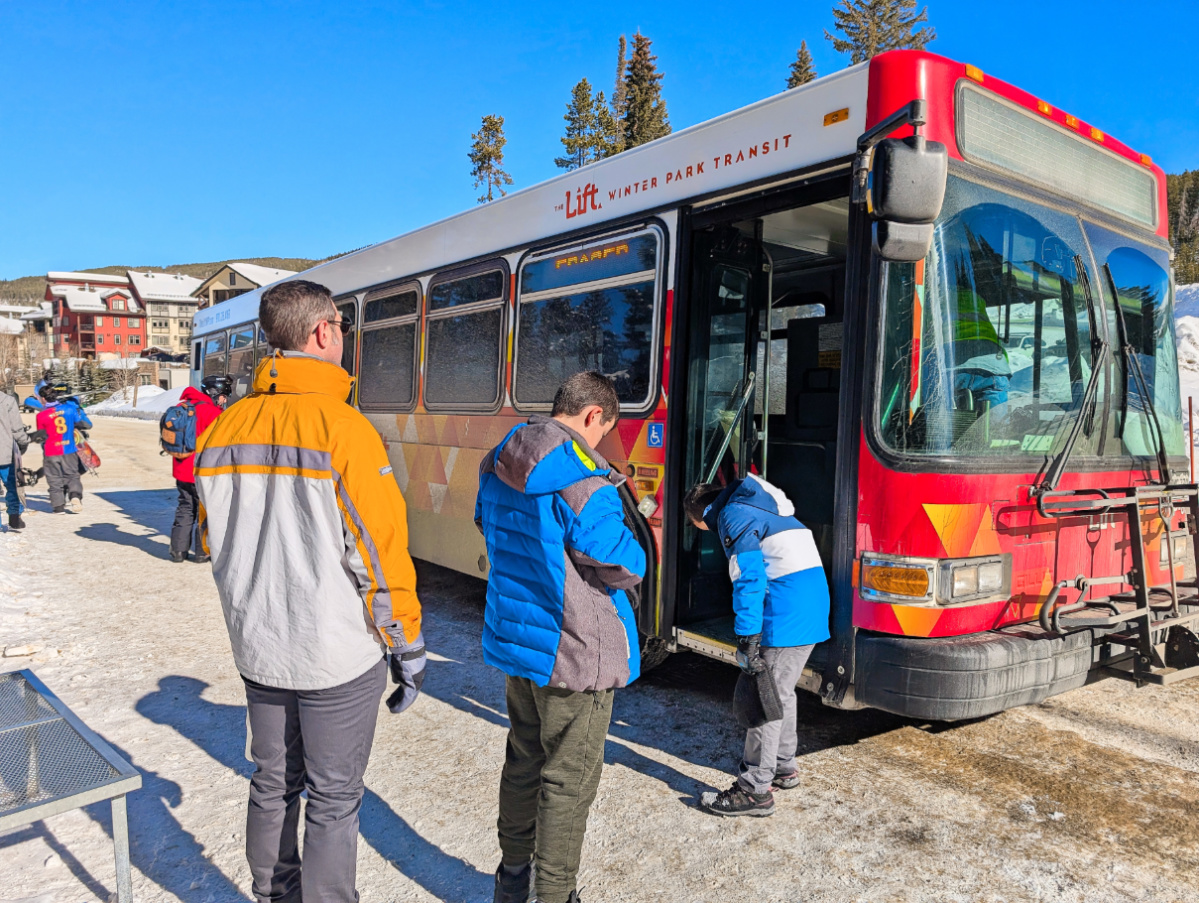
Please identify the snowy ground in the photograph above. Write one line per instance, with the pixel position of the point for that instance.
(1091, 797)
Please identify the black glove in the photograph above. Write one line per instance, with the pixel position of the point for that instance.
(749, 654)
(408, 671)
(38, 436)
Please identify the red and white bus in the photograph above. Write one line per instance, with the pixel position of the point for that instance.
(953, 352)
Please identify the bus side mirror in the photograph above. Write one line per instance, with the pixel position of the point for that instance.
(907, 189)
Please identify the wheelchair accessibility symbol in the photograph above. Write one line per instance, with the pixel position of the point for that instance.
(654, 438)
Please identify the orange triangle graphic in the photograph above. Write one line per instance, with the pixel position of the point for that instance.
(916, 621)
(957, 526)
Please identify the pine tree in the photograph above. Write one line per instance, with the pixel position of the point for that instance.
(802, 70)
(620, 94)
(579, 139)
(645, 116)
(487, 158)
(872, 27)
(609, 136)
(1182, 193)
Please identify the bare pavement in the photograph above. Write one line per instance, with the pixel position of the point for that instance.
(1089, 797)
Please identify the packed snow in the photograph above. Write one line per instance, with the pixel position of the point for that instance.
(152, 402)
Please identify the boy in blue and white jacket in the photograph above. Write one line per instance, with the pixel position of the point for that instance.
(781, 610)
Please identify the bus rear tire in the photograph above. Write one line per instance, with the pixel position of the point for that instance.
(654, 652)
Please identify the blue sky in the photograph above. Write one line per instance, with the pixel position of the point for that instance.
(175, 132)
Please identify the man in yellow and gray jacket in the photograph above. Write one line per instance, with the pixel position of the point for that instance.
(309, 542)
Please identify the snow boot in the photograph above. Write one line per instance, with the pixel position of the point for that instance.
(59, 510)
(178, 557)
(736, 801)
(75, 504)
(786, 781)
(513, 887)
(201, 558)
(15, 522)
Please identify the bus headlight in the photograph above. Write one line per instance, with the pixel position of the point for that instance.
(895, 577)
(972, 579)
(935, 581)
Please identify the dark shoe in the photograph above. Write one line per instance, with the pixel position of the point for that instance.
(202, 558)
(736, 801)
(785, 781)
(61, 509)
(15, 522)
(513, 888)
(178, 557)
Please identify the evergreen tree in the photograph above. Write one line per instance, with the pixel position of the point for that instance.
(645, 116)
(872, 27)
(579, 140)
(1182, 192)
(609, 136)
(591, 129)
(802, 70)
(620, 95)
(487, 158)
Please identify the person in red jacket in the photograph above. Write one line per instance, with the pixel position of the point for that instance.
(210, 399)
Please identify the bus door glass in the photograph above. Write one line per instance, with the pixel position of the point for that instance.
(727, 297)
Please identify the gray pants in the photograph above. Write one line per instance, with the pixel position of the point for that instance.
(319, 741)
(62, 478)
(770, 749)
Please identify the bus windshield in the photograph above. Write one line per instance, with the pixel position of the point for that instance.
(987, 344)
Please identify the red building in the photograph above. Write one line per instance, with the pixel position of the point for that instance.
(95, 316)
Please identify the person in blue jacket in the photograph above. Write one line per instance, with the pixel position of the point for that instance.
(559, 623)
(781, 610)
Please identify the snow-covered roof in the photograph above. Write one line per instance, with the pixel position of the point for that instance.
(80, 300)
(92, 301)
(43, 312)
(258, 275)
(18, 309)
(163, 286)
(97, 278)
(11, 327)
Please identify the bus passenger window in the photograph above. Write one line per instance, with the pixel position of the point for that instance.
(465, 337)
(214, 355)
(387, 369)
(588, 307)
(241, 360)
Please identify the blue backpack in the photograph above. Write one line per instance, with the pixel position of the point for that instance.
(177, 430)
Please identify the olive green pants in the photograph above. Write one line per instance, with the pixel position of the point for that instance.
(551, 774)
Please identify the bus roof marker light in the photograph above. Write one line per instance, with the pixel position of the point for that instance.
(1044, 109)
(975, 73)
(1096, 135)
(1146, 160)
(1072, 121)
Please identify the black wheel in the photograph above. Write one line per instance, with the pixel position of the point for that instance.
(653, 653)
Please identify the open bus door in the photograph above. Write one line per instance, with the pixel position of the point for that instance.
(729, 285)
(763, 307)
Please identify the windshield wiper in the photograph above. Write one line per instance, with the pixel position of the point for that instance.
(1086, 410)
(1132, 367)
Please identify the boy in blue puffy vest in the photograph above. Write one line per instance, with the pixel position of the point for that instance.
(781, 609)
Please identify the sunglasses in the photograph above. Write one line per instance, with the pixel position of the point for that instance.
(344, 325)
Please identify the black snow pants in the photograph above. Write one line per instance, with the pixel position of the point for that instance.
(62, 478)
(186, 514)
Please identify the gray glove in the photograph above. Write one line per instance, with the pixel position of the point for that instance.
(408, 671)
